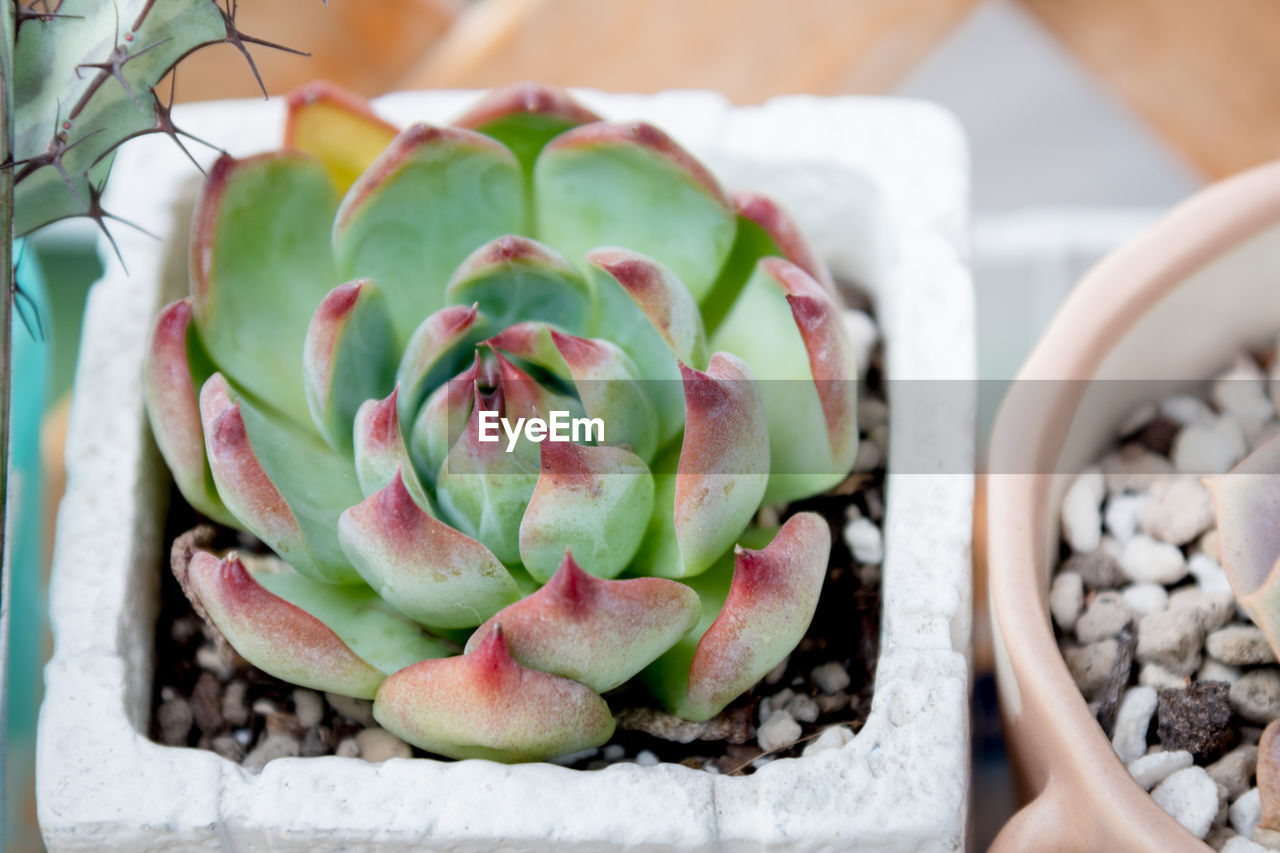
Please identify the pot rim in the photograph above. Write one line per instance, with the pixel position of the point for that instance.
(1078, 771)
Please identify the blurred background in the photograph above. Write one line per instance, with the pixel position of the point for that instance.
(1087, 119)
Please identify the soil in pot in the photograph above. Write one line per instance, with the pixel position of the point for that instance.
(1180, 679)
(207, 696)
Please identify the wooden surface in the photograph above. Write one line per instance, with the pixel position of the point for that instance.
(365, 45)
(1204, 73)
(747, 49)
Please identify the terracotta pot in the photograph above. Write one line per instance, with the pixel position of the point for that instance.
(1178, 303)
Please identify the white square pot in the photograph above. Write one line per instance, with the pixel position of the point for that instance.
(880, 187)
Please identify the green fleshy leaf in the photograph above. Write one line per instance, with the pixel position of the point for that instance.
(515, 279)
(424, 205)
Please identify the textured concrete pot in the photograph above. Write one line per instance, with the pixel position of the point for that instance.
(881, 187)
(1176, 304)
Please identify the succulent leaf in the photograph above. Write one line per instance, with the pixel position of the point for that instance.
(485, 705)
(347, 358)
(631, 185)
(1247, 501)
(174, 369)
(423, 567)
(515, 278)
(272, 634)
(285, 485)
(422, 207)
(442, 345)
(792, 335)
(525, 117)
(380, 451)
(595, 501)
(260, 264)
(597, 632)
(337, 128)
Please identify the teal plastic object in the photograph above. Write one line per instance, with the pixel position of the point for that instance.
(27, 625)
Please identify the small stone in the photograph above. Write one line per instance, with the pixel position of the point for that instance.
(378, 744)
(1082, 511)
(1208, 574)
(1105, 616)
(647, 758)
(1132, 720)
(1097, 569)
(869, 457)
(1091, 665)
(175, 720)
(228, 747)
(1196, 718)
(1239, 645)
(211, 659)
(1212, 609)
(206, 704)
(1209, 448)
(283, 723)
(1242, 391)
(308, 707)
(1240, 844)
(1154, 675)
(271, 747)
(314, 743)
(1191, 798)
(1123, 515)
(1256, 696)
(865, 541)
(348, 748)
(1066, 599)
(833, 702)
(863, 334)
(614, 752)
(1179, 510)
(1146, 559)
(1172, 639)
(803, 708)
(1245, 812)
(872, 412)
(1138, 418)
(1150, 770)
(235, 710)
(1268, 839)
(832, 737)
(774, 703)
(1234, 771)
(1133, 468)
(776, 674)
(779, 731)
(830, 677)
(1145, 598)
(357, 710)
(244, 737)
(1186, 409)
(1212, 670)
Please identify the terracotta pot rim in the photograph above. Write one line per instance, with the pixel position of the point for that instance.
(1094, 318)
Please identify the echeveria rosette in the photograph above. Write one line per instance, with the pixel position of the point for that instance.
(361, 300)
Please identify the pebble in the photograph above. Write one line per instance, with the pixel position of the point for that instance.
(1242, 391)
(1132, 720)
(1212, 609)
(863, 334)
(830, 677)
(865, 542)
(1091, 665)
(1172, 639)
(778, 731)
(348, 748)
(802, 708)
(647, 758)
(315, 742)
(832, 737)
(1150, 770)
(271, 747)
(175, 719)
(1145, 598)
(776, 674)
(1104, 617)
(1066, 599)
(1234, 771)
(1082, 511)
(308, 707)
(378, 744)
(1212, 670)
(1097, 569)
(359, 710)
(228, 747)
(1123, 515)
(1240, 844)
(1154, 675)
(834, 702)
(1196, 718)
(1179, 510)
(210, 659)
(1267, 839)
(1186, 409)
(1245, 812)
(1134, 468)
(1240, 645)
(1256, 696)
(1209, 448)
(1147, 559)
(235, 710)
(614, 752)
(1208, 574)
(1191, 798)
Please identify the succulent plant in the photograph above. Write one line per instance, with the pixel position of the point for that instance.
(368, 304)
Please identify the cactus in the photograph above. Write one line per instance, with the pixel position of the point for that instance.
(368, 305)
